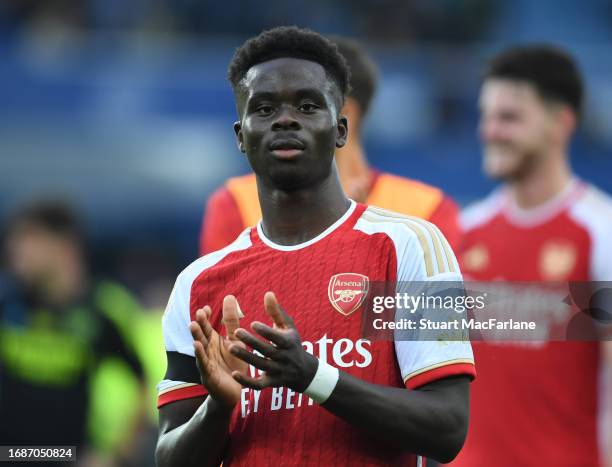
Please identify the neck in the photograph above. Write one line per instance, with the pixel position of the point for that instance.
(542, 183)
(353, 169)
(291, 218)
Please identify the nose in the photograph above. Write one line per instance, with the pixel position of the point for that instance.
(286, 119)
(488, 129)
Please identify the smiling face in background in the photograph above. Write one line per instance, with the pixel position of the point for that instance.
(517, 127)
(289, 125)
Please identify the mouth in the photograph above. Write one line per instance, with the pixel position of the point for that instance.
(287, 148)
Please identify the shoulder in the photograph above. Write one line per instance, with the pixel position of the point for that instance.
(405, 183)
(232, 189)
(208, 261)
(220, 196)
(593, 209)
(593, 212)
(109, 293)
(416, 240)
(482, 211)
(246, 182)
(405, 195)
(116, 303)
(375, 219)
(176, 318)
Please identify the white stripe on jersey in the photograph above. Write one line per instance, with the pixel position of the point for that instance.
(167, 385)
(437, 255)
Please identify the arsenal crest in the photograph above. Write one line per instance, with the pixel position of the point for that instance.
(557, 260)
(348, 291)
(476, 258)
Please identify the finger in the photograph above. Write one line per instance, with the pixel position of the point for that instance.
(200, 353)
(231, 317)
(277, 336)
(274, 310)
(254, 383)
(202, 316)
(249, 339)
(258, 362)
(197, 334)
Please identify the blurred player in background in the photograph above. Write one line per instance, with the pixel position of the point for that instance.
(536, 405)
(235, 206)
(391, 400)
(58, 326)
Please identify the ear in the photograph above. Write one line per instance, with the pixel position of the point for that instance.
(565, 122)
(352, 111)
(341, 131)
(569, 120)
(239, 138)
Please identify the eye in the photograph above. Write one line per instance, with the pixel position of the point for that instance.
(308, 107)
(264, 109)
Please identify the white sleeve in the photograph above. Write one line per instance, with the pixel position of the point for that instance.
(593, 211)
(182, 379)
(421, 359)
(176, 319)
(601, 254)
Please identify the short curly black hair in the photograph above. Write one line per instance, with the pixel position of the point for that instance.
(290, 42)
(552, 71)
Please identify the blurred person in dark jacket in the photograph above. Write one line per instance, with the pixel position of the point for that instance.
(57, 326)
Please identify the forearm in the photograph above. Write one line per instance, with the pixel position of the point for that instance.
(419, 421)
(199, 442)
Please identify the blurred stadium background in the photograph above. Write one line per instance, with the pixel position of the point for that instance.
(123, 108)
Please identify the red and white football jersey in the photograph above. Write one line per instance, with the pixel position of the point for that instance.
(536, 405)
(278, 426)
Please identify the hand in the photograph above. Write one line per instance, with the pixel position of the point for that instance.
(214, 360)
(284, 362)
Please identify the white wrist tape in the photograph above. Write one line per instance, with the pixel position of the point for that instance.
(323, 383)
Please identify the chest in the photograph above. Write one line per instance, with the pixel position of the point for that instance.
(557, 250)
(323, 289)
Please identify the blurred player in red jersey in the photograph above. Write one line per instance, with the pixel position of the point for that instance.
(325, 395)
(536, 405)
(235, 206)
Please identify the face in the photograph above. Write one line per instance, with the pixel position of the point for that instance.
(517, 128)
(34, 255)
(289, 125)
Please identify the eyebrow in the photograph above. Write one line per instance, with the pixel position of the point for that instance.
(261, 95)
(300, 92)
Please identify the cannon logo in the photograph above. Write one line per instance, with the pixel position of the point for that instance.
(348, 291)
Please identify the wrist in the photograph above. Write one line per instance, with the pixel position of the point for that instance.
(311, 363)
(219, 406)
(323, 382)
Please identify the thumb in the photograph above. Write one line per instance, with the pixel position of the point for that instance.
(273, 309)
(231, 315)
